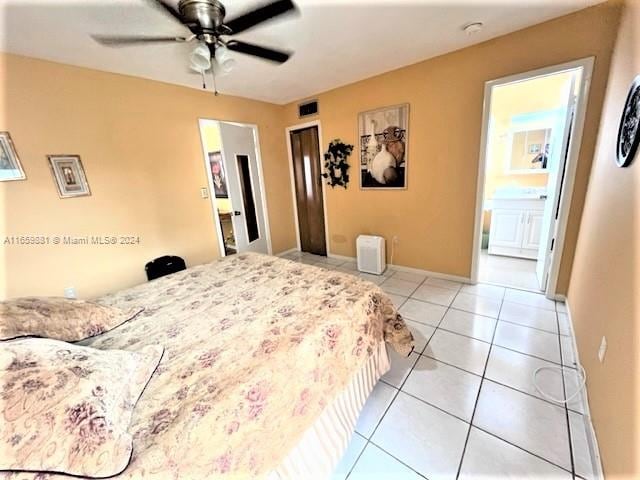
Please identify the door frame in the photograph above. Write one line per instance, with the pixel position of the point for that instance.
(212, 197)
(288, 130)
(571, 162)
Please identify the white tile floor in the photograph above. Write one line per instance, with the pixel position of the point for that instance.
(463, 405)
(509, 271)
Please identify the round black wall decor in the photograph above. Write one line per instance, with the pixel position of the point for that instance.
(629, 131)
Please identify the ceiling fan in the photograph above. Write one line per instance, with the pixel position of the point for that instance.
(207, 25)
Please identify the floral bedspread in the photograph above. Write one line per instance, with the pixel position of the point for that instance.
(255, 348)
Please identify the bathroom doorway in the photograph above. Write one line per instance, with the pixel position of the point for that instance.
(532, 130)
(236, 188)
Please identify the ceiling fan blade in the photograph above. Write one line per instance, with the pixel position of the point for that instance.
(257, 51)
(261, 14)
(127, 41)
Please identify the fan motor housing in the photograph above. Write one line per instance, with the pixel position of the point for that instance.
(208, 14)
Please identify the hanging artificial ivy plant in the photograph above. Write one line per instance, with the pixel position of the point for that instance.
(335, 165)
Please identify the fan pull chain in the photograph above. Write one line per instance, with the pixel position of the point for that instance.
(213, 77)
(204, 84)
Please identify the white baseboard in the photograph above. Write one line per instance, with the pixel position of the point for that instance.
(402, 268)
(592, 441)
(444, 276)
(341, 257)
(287, 252)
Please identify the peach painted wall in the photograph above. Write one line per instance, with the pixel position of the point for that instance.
(604, 293)
(140, 146)
(434, 217)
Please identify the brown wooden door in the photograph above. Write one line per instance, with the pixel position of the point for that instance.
(308, 184)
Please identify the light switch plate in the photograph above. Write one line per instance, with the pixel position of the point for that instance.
(204, 192)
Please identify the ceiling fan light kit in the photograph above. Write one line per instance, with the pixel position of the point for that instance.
(200, 58)
(206, 22)
(224, 60)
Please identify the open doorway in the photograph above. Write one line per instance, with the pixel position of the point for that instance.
(236, 188)
(532, 130)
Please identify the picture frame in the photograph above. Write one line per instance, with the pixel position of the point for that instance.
(383, 135)
(69, 176)
(218, 175)
(535, 148)
(10, 166)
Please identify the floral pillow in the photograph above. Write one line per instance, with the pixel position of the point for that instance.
(59, 318)
(66, 408)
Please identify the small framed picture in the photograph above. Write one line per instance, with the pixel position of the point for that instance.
(10, 168)
(218, 175)
(69, 176)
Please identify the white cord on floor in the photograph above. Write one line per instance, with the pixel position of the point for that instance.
(583, 381)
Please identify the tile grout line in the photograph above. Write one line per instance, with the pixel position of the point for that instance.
(538, 456)
(566, 404)
(475, 406)
(528, 326)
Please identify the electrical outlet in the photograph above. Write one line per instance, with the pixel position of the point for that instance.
(395, 239)
(70, 292)
(602, 351)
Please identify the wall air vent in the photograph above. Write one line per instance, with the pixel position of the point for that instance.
(307, 109)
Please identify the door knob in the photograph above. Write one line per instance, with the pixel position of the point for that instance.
(236, 213)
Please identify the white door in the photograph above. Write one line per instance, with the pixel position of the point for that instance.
(243, 184)
(506, 228)
(555, 165)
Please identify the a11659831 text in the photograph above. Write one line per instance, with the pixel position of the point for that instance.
(70, 240)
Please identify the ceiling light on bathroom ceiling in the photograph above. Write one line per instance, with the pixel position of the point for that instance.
(472, 28)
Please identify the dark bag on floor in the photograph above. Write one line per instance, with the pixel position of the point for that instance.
(162, 266)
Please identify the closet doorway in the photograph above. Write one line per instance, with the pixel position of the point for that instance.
(236, 187)
(305, 164)
(531, 137)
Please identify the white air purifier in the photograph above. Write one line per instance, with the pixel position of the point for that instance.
(371, 254)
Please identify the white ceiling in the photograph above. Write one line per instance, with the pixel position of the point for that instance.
(336, 42)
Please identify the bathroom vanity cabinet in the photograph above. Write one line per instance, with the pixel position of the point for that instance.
(516, 227)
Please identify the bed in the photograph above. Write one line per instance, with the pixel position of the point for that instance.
(267, 364)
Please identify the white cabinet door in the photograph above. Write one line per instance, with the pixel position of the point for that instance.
(507, 228)
(532, 231)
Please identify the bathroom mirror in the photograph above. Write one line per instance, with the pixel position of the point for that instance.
(529, 150)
